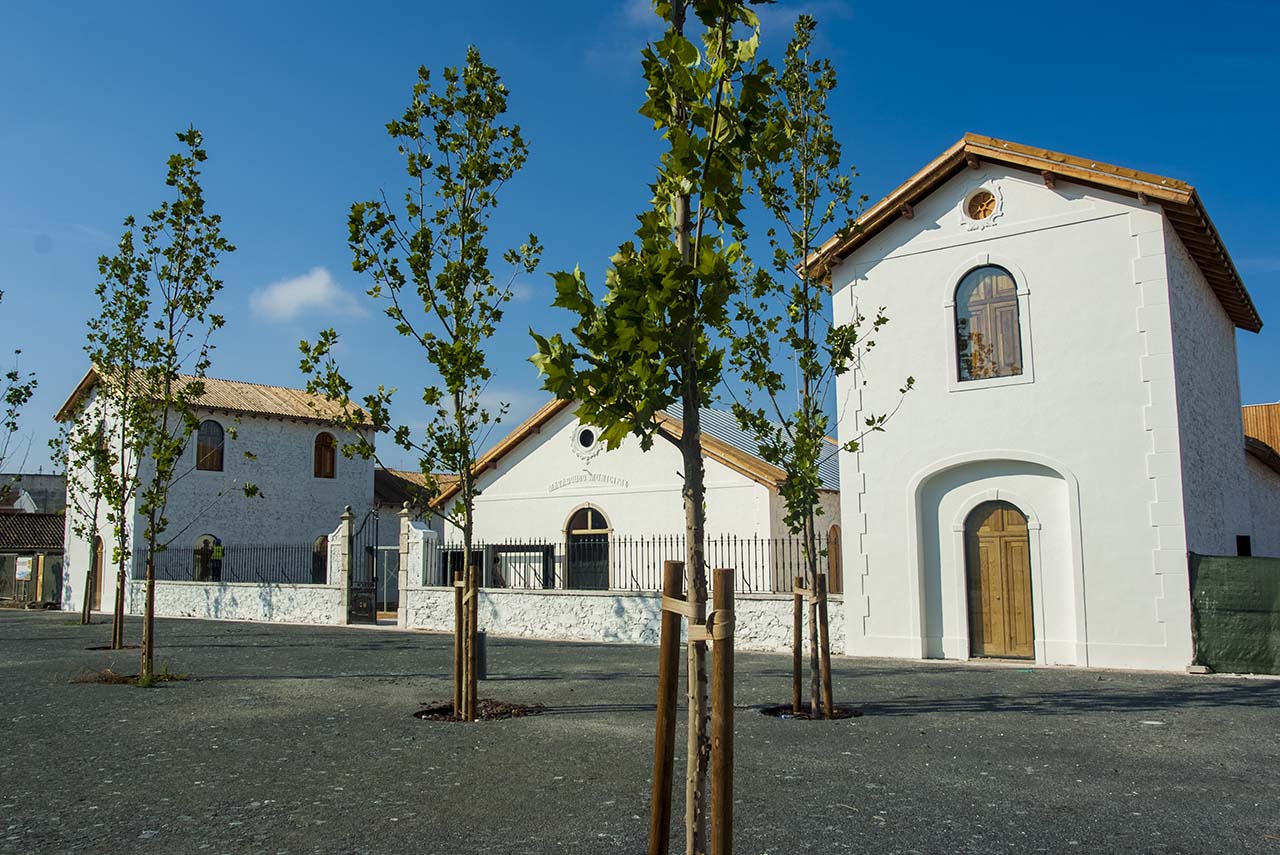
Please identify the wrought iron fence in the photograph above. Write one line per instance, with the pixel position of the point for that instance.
(274, 564)
(607, 562)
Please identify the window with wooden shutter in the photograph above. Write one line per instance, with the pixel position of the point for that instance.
(988, 330)
(326, 456)
(209, 442)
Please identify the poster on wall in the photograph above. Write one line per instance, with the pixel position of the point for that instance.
(23, 573)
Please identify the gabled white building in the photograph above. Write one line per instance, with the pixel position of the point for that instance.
(551, 480)
(1075, 429)
(276, 438)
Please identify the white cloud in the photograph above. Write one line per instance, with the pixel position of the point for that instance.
(523, 289)
(316, 291)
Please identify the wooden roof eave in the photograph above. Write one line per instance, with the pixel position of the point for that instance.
(1182, 206)
(1263, 453)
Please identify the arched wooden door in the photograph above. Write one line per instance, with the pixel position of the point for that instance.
(835, 561)
(998, 566)
(98, 572)
(587, 549)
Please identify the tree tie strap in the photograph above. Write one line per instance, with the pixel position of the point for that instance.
(719, 627)
(680, 607)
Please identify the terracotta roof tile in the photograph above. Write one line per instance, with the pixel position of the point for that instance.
(39, 532)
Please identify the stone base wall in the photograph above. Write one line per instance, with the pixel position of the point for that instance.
(763, 621)
(315, 604)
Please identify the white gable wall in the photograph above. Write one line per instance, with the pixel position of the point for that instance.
(1210, 431)
(538, 485)
(1085, 442)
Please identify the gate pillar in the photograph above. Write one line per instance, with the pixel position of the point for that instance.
(402, 613)
(342, 567)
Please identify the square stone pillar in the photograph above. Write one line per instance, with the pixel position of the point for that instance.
(340, 562)
(402, 610)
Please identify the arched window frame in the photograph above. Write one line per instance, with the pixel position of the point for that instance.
(952, 368)
(211, 458)
(324, 456)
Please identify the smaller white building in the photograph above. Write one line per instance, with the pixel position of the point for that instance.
(278, 439)
(609, 518)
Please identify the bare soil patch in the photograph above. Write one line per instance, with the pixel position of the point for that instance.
(108, 677)
(490, 710)
(785, 712)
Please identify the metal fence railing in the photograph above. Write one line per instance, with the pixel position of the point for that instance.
(607, 562)
(277, 564)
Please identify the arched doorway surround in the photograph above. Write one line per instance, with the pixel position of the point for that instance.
(586, 537)
(998, 575)
(945, 555)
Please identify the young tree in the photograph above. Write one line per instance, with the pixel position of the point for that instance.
(807, 194)
(650, 343)
(15, 391)
(182, 246)
(80, 446)
(430, 268)
(116, 342)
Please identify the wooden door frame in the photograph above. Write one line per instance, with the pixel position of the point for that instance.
(99, 554)
(960, 606)
(972, 538)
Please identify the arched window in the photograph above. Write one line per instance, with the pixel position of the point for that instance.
(988, 331)
(209, 442)
(587, 549)
(326, 455)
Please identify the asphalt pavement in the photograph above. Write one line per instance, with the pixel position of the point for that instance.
(293, 739)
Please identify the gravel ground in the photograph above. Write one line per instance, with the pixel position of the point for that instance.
(299, 739)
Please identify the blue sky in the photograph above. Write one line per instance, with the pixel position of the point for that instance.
(293, 97)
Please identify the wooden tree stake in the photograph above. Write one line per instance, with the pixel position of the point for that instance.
(824, 635)
(457, 642)
(664, 740)
(797, 644)
(722, 713)
(473, 639)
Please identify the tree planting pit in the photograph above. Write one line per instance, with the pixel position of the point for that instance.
(489, 710)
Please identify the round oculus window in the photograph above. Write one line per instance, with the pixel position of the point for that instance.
(586, 437)
(981, 205)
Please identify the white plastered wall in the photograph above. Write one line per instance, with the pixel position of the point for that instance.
(1264, 501)
(1210, 431)
(536, 487)
(294, 507)
(1086, 438)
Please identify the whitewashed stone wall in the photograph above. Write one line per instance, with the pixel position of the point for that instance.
(763, 622)
(314, 604)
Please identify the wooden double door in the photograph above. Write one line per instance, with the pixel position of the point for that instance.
(998, 566)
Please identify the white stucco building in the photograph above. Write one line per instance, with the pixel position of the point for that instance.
(1075, 429)
(552, 480)
(276, 438)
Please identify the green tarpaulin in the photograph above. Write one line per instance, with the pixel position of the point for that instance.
(1235, 607)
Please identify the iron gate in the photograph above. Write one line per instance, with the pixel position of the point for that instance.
(362, 578)
(588, 561)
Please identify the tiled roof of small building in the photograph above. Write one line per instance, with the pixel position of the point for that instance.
(35, 532)
(239, 396)
(397, 486)
(723, 425)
